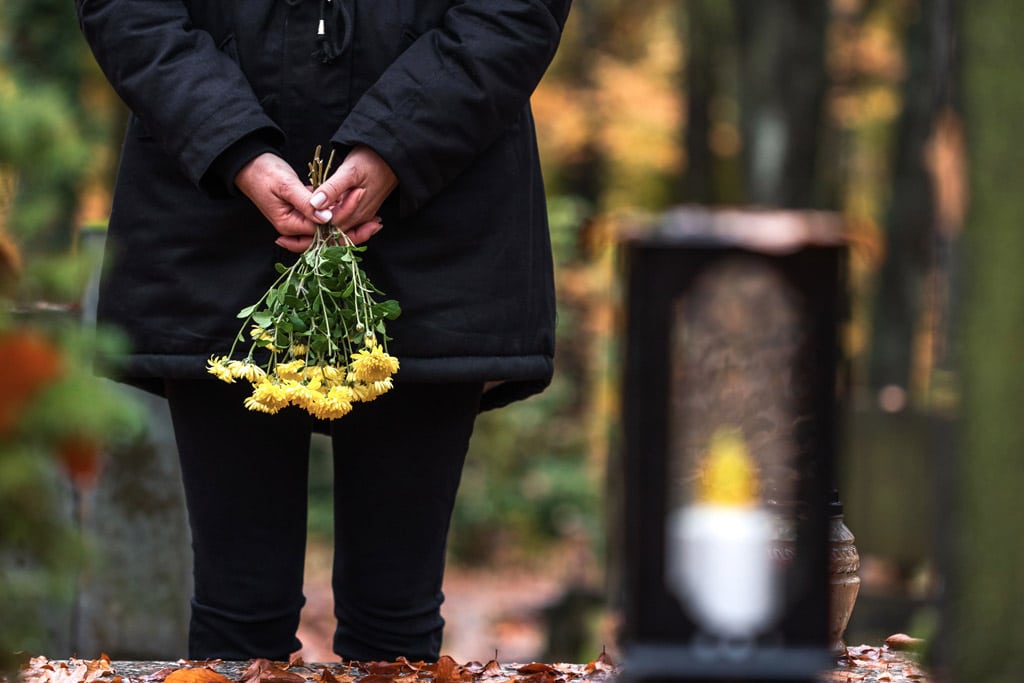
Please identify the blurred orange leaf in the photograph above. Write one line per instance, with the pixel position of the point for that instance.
(30, 362)
(196, 675)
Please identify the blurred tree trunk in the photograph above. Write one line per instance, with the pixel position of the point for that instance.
(704, 30)
(582, 176)
(782, 89)
(898, 297)
(988, 589)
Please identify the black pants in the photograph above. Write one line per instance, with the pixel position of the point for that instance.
(397, 464)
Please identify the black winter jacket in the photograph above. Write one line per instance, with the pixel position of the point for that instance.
(439, 88)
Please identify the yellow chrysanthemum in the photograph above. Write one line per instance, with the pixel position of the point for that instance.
(299, 349)
(260, 334)
(291, 370)
(341, 393)
(337, 403)
(218, 367)
(252, 404)
(333, 405)
(303, 396)
(270, 393)
(246, 370)
(366, 392)
(373, 365)
(333, 373)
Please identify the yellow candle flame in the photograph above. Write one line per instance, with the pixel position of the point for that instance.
(729, 474)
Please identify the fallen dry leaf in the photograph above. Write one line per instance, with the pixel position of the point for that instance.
(396, 668)
(446, 670)
(377, 678)
(324, 675)
(541, 677)
(265, 671)
(904, 643)
(196, 675)
(42, 670)
(537, 668)
(603, 663)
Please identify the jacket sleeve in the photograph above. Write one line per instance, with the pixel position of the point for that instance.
(190, 95)
(455, 90)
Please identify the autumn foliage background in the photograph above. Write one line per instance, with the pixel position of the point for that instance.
(648, 105)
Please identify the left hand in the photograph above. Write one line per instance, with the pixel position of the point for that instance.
(354, 193)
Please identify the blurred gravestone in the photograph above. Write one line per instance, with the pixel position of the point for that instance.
(133, 600)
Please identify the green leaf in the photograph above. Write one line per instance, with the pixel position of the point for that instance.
(336, 254)
(389, 308)
(262, 318)
(280, 268)
(246, 312)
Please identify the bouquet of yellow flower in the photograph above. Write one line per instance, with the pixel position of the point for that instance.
(321, 331)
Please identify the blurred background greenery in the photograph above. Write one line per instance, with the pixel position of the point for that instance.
(853, 106)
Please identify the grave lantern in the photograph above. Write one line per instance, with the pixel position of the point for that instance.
(729, 407)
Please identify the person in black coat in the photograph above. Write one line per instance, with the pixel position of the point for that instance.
(427, 104)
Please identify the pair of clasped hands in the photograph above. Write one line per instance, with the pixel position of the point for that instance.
(348, 200)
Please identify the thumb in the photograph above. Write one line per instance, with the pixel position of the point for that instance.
(333, 190)
(295, 193)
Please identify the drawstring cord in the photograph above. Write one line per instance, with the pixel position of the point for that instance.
(333, 31)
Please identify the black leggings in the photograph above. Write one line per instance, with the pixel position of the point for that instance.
(397, 464)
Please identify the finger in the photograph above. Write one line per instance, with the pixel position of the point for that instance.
(294, 223)
(344, 215)
(297, 195)
(364, 232)
(332, 189)
(294, 243)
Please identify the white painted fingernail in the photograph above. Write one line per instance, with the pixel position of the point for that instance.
(323, 216)
(318, 199)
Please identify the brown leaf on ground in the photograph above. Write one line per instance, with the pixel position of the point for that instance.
(159, 676)
(377, 678)
(492, 668)
(603, 663)
(295, 660)
(42, 670)
(541, 677)
(904, 643)
(324, 675)
(864, 652)
(537, 668)
(265, 671)
(396, 668)
(446, 670)
(196, 675)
